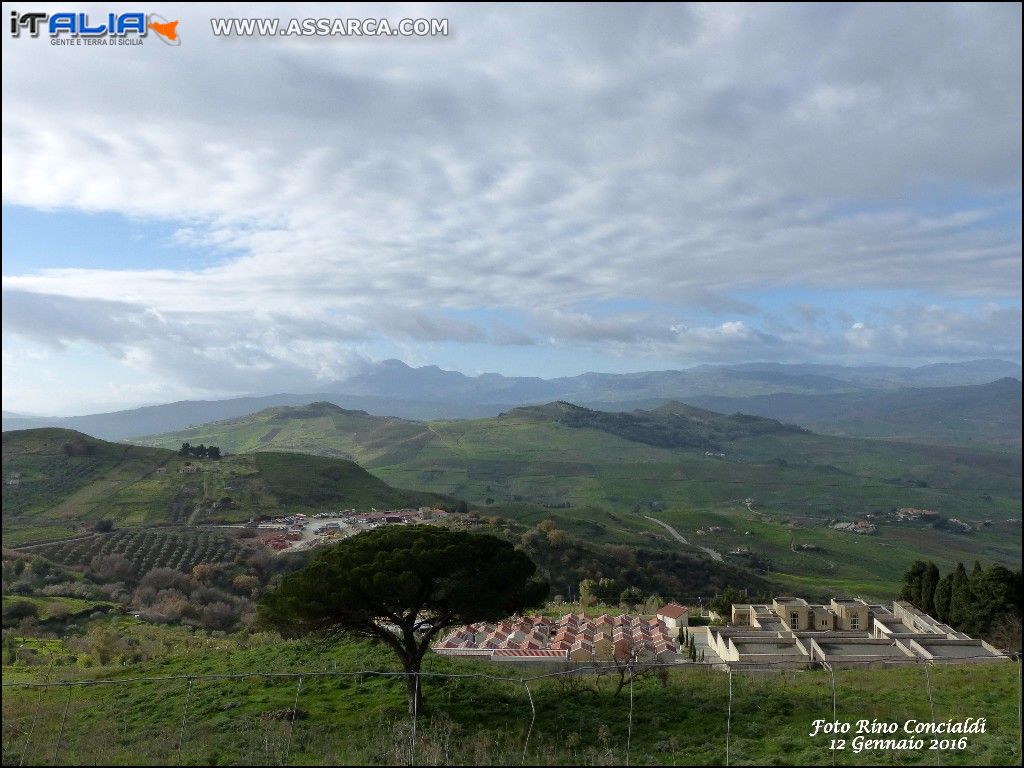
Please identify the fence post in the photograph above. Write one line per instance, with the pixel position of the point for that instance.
(32, 727)
(1020, 694)
(184, 715)
(415, 715)
(728, 720)
(291, 723)
(629, 724)
(931, 705)
(533, 718)
(63, 719)
(835, 715)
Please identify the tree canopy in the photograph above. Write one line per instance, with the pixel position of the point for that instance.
(979, 602)
(402, 585)
(199, 451)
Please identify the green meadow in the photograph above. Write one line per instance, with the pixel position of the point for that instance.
(345, 716)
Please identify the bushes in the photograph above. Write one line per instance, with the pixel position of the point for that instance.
(218, 615)
(204, 599)
(26, 577)
(17, 610)
(166, 578)
(114, 567)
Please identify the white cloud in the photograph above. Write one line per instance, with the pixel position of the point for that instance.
(535, 162)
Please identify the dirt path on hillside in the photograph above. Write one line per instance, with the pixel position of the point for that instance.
(679, 537)
(38, 544)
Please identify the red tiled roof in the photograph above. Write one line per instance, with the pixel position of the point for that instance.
(529, 653)
(673, 611)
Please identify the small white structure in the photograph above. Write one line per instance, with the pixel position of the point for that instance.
(674, 616)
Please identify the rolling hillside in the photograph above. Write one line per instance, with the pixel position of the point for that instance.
(976, 414)
(597, 474)
(57, 481)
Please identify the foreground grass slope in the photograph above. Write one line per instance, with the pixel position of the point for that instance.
(58, 481)
(360, 719)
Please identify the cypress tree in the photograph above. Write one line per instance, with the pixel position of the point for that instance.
(943, 595)
(929, 583)
(960, 602)
(993, 597)
(912, 583)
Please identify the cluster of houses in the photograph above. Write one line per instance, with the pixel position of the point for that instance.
(399, 516)
(846, 631)
(709, 529)
(913, 513)
(286, 532)
(571, 638)
(960, 525)
(863, 527)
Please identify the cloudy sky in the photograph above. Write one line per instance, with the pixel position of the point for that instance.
(545, 191)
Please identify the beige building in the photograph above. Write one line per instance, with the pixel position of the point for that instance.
(791, 630)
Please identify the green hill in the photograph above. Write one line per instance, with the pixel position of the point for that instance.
(672, 425)
(317, 428)
(598, 474)
(56, 482)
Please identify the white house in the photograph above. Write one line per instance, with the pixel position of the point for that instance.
(674, 615)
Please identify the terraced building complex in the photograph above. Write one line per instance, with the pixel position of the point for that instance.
(846, 631)
(573, 637)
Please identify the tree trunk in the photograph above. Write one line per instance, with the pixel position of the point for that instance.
(412, 659)
(414, 691)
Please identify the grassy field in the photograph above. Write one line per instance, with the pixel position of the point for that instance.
(809, 478)
(59, 607)
(597, 476)
(361, 719)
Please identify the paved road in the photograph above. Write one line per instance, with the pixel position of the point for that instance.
(679, 537)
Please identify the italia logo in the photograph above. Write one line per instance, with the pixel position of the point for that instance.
(90, 26)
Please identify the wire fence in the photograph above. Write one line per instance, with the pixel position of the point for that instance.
(637, 713)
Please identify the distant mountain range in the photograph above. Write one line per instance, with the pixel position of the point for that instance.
(394, 379)
(981, 413)
(978, 401)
